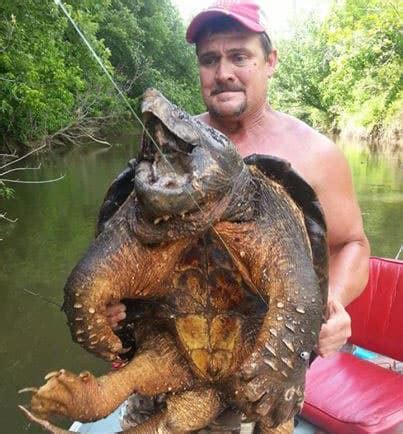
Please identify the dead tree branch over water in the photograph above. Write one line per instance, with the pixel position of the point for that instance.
(4, 217)
(85, 126)
(13, 166)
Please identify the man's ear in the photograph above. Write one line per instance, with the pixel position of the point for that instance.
(271, 63)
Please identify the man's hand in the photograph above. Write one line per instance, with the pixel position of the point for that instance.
(115, 313)
(335, 332)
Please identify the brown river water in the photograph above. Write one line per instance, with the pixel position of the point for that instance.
(55, 225)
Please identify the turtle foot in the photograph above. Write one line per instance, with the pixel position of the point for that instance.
(270, 388)
(77, 397)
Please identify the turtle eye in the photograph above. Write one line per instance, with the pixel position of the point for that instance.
(304, 355)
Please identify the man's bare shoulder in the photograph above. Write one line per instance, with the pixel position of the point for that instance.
(305, 134)
(314, 155)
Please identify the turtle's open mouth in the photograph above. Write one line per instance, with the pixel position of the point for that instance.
(158, 138)
(183, 164)
(164, 177)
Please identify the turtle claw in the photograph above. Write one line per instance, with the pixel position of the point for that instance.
(51, 375)
(28, 390)
(43, 423)
(85, 376)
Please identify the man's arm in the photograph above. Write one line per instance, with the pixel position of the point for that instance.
(349, 247)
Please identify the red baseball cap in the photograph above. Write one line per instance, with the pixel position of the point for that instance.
(247, 12)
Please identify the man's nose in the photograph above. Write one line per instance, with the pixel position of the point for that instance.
(224, 71)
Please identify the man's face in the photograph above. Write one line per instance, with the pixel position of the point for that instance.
(233, 73)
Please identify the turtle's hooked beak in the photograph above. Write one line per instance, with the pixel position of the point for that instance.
(164, 174)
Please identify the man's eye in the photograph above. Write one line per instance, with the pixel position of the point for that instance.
(208, 61)
(240, 59)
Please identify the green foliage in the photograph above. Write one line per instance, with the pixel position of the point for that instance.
(6, 192)
(50, 80)
(347, 70)
(44, 69)
(365, 76)
(303, 65)
(147, 42)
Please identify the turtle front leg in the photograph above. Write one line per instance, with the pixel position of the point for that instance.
(158, 368)
(116, 266)
(271, 379)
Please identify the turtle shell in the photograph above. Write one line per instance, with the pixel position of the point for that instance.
(275, 168)
(116, 195)
(304, 196)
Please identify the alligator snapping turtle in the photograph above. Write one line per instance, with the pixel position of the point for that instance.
(227, 259)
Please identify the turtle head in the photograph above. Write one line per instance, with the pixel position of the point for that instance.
(182, 163)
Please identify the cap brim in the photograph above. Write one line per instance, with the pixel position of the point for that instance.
(203, 17)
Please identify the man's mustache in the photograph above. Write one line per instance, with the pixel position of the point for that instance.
(219, 88)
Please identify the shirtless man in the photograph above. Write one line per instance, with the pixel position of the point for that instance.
(236, 61)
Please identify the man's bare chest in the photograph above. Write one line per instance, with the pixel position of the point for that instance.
(299, 155)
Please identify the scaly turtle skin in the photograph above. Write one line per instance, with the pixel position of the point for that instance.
(227, 260)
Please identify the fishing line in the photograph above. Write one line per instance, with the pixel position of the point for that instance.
(99, 61)
(42, 297)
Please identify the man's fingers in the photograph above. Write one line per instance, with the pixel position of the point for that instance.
(330, 343)
(115, 313)
(330, 348)
(333, 307)
(120, 316)
(329, 330)
(118, 309)
(336, 331)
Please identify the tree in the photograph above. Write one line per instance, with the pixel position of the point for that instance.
(346, 71)
(52, 88)
(303, 66)
(365, 80)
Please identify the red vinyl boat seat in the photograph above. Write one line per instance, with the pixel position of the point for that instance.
(345, 394)
(377, 314)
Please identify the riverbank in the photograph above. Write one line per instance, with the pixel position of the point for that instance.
(379, 139)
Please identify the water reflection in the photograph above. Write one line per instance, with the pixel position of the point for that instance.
(378, 180)
(55, 225)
